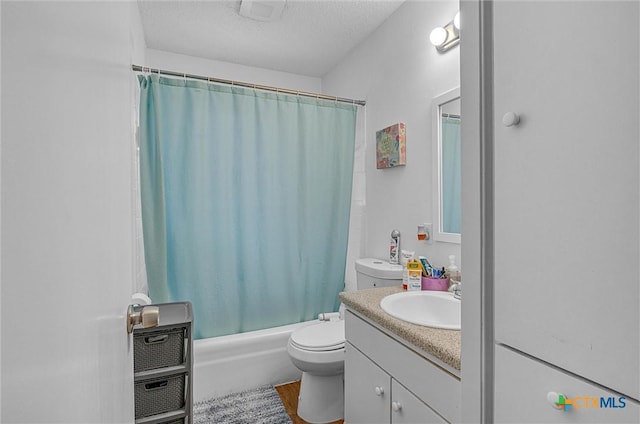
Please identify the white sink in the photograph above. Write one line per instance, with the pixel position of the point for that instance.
(429, 308)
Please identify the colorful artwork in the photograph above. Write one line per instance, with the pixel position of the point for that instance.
(391, 149)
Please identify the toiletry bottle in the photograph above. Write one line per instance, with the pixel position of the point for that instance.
(414, 280)
(405, 277)
(452, 271)
(405, 257)
(394, 247)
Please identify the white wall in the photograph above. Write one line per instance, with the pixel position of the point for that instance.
(398, 72)
(67, 215)
(213, 68)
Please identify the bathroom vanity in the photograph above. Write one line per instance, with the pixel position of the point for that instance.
(397, 372)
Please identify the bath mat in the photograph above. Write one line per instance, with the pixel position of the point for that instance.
(255, 406)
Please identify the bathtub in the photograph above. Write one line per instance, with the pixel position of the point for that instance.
(237, 362)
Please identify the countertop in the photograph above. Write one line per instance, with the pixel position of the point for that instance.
(442, 344)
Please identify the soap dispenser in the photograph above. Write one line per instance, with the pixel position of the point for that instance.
(452, 271)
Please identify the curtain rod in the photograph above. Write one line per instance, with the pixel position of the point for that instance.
(137, 68)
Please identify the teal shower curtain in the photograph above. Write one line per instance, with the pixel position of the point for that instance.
(451, 175)
(245, 202)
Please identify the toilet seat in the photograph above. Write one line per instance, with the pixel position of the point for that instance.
(321, 337)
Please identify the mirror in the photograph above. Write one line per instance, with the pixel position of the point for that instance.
(447, 173)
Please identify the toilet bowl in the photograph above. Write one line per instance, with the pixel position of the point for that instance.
(318, 351)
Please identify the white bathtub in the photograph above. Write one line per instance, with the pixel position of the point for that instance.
(227, 364)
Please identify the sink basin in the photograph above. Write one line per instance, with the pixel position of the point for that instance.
(428, 308)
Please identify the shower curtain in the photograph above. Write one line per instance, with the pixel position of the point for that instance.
(451, 175)
(245, 202)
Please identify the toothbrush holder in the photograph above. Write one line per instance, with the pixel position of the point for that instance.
(435, 283)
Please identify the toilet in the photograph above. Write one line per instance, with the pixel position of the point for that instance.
(318, 350)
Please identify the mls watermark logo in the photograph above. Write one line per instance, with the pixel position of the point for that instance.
(560, 401)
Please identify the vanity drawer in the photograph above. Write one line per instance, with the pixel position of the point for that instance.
(522, 384)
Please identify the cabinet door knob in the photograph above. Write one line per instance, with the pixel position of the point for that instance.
(510, 119)
(557, 400)
(379, 391)
(396, 406)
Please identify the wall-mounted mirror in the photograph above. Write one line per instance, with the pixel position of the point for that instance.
(447, 166)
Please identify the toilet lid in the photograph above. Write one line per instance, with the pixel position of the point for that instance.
(323, 336)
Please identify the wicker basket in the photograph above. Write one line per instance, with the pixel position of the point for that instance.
(158, 349)
(159, 395)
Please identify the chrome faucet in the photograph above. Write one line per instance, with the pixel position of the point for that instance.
(456, 289)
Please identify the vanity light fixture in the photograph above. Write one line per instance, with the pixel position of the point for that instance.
(447, 37)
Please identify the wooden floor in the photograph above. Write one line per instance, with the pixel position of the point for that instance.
(289, 395)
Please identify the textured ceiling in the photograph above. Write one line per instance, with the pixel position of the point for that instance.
(310, 38)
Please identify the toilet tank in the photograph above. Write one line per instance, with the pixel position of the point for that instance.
(371, 272)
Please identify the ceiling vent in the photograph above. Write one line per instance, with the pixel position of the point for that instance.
(262, 10)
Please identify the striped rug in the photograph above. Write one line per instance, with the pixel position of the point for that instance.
(255, 406)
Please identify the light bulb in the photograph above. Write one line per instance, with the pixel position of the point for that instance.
(456, 20)
(438, 36)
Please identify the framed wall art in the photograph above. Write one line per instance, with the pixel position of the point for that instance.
(391, 150)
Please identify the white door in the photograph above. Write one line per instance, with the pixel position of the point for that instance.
(66, 212)
(566, 186)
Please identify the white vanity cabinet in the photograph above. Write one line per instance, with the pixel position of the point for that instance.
(386, 381)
